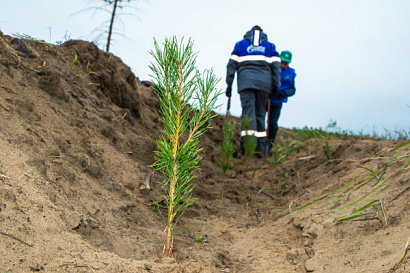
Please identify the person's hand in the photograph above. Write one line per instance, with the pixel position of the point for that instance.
(228, 92)
(273, 94)
(281, 95)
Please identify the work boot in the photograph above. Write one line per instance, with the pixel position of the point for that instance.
(261, 147)
(269, 146)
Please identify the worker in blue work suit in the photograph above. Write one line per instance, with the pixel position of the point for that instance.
(287, 89)
(256, 62)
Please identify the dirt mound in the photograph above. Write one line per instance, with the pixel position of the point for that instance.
(78, 131)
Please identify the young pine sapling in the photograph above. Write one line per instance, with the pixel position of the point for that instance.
(187, 99)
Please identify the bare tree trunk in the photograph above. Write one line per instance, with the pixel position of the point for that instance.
(111, 23)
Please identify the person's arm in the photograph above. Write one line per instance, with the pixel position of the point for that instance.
(231, 68)
(289, 91)
(230, 71)
(275, 66)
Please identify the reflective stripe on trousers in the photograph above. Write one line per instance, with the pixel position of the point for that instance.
(253, 133)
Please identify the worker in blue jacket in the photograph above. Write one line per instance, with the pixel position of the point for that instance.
(256, 62)
(287, 89)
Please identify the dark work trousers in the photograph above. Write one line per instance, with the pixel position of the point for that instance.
(275, 109)
(254, 108)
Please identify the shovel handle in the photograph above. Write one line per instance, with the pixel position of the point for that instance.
(229, 105)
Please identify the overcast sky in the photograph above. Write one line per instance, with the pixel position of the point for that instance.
(351, 57)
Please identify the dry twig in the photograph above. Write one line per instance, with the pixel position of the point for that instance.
(88, 161)
(290, 206)
(6, 108)
(123, 117)
(307, 157)
(15, 238)
(3, 176)
(405, 251)
(261, 191)
(77, 265)
(98, 256)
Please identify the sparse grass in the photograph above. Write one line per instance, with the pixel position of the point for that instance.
(352, 215)
(332, 130)
(401, 152)
(281, 150)
(26, 37)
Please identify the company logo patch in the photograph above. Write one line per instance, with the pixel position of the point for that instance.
(252, 49)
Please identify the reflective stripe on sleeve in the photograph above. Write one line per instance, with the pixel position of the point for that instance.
(275, 59)
(234, 57)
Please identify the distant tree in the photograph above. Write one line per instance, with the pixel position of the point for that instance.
(115, 2)
(111, 7)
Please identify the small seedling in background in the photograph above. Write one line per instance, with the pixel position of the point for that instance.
(280, 152)
(227, 149)
(201, 239)
(75, 58)
(187, 100)
(329, 154)
(249, 142)
(282, 185)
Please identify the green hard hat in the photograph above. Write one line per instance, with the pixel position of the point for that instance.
(286, 56)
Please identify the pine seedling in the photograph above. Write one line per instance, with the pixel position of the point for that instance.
(227, 149)
(249, 141)
(187, 99)
(282, 186)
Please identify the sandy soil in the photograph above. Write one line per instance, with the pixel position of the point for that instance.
(76, 142)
